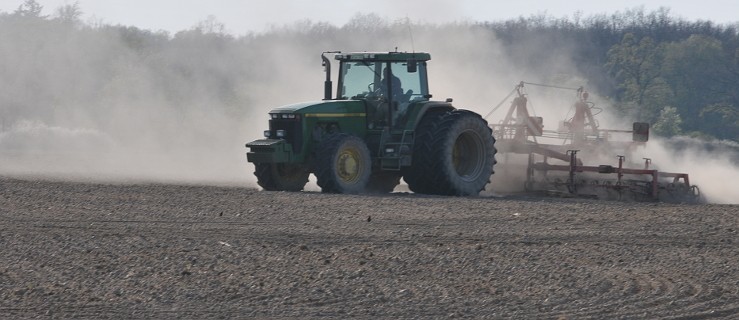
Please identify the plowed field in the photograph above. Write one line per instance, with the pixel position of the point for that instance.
(85, 250)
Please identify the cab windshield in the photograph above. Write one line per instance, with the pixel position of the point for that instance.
(363, 79)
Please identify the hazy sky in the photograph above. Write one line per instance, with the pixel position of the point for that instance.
(241, 16)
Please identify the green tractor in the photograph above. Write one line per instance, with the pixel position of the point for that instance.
(381, 126)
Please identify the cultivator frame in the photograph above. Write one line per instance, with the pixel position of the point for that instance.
(519, 132)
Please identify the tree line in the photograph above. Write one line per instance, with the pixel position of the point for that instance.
(679, 75)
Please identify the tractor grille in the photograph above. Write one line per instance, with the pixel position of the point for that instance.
(293, 131)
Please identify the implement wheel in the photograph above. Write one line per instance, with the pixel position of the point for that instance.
(343, 164)
(281, 176)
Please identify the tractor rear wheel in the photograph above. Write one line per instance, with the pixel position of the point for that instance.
(411, 175)
(343, 164)
(281, 176)
(454, 155)
(383, 182)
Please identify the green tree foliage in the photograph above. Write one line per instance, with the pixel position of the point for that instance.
(724, 119)
(668, 123)
(700, 71)
(636, 65)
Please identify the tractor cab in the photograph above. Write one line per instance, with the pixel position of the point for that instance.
(389, 83)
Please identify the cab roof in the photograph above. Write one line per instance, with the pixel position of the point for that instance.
(383, 56)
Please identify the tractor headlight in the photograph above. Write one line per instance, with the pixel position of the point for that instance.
(266, 133)
(281, 133)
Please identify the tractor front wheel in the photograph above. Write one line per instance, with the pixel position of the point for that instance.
(281, 176)
(343, 164)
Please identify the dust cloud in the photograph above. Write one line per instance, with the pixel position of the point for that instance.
(119, 103)
(114, 103)
(122, 104)
(712, 166)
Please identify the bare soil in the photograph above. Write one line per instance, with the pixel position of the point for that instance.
(90, 250)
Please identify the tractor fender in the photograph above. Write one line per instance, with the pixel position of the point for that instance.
(431, 106)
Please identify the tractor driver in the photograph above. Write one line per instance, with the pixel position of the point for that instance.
(396, 91)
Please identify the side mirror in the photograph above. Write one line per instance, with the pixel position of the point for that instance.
(641, 132)
(412, 66)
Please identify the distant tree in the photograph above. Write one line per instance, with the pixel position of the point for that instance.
(141, 41)
(366, 23)
(69, 13)
(30, 8)
(636, 64)
(700, 72)
(724, 119)
(669, 122)
(211, 25)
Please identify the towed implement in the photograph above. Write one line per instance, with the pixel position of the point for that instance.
(555, 167)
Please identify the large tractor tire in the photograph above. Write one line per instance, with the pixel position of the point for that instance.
(383, 182)
(343, 164)
(281, 176)
(414, 177)
(454, 155)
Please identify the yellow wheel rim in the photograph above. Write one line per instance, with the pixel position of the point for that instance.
(456, 156)
(468, 155)
(347, 165)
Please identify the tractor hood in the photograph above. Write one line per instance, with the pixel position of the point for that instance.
(328, 108)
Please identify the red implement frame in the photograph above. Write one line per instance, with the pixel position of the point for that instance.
(518, 131)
